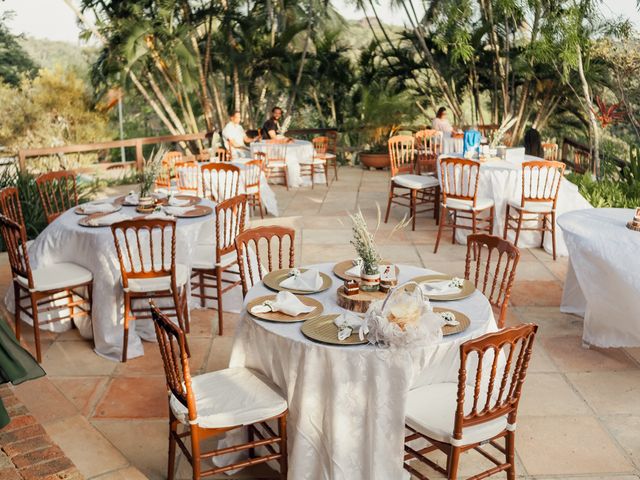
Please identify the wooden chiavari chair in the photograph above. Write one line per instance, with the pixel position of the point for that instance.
(318, 163)
(10, 205)
(421, 190)
(276, 165)
(222, 155)
(147, 254)
(550, 151)
(429, 148)
(540, 187)
(57, 192)
(275, 242)
(44, 288)
(252, 175)
(188, 178)
(212, 262)
(214, 403)
(479, 410)
(167, 172)
(332, 152)
(491, 264)
(460, 197)
(220, 181)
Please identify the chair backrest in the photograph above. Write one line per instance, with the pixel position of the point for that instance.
(220, 181)
(168, 169)
(264, 249)
(10, 205)
(402, 153)
(498, 363)
(428, 147)
(188, 174)
(541, 181)
(146, 249)
(57, 192)
(175, 359)
(459, 179)
(276, 151)
(491, 264)
(15, 241)
(252, 172)
(320, 145)
(332, 135)
(230, 217)
(550, 151)
(222, 155)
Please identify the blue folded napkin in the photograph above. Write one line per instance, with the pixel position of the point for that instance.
(471, 142)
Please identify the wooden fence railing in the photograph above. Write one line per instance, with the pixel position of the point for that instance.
(578, 156)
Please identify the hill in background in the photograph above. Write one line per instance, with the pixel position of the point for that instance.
(49, 54)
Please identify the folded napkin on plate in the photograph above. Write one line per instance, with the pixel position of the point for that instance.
(308, 281)
(94, 207)
(178, 202)
(442, 287)
(285, 302)
(132, 199)
(449, 319)
(159, 195)
(347, 323)
(159, 215)
(108, 219)
(177, 211)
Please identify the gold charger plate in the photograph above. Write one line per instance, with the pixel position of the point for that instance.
(116, 208)
(340, 269)
(193, 200)
(460, 317)
(196, 211)
(323, 330)
(467, 288)
(272, 280)
(85, 220)
(281, 317)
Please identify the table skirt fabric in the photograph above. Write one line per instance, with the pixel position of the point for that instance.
(298, 151)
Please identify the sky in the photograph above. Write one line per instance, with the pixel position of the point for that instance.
(54, 20)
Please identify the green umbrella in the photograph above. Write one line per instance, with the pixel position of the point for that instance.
(16, 364)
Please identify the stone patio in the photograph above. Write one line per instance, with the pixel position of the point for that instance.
(579, 415)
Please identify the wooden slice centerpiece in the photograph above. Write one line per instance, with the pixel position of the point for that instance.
(358, 303)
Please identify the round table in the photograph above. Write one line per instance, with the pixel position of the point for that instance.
(452, 145)
(64, 240)
(501, 181)
(603, 282)
(346, 404)
(298, 151)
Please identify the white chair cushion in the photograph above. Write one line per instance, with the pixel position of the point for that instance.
(56, 276)
(481, 204)
(415, 182)
(316, 161)
(534, 207)
(431, 410)
(204, 257)
(142, 285)
(230, 397)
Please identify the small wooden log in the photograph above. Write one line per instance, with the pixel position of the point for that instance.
(358, 303)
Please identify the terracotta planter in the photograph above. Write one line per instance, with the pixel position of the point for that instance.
(374, 160)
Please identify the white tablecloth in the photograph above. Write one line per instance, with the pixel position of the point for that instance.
(603, 282)
(346, 404)
(452, 145)
(94, 249)
(297, 151)
(501, 181)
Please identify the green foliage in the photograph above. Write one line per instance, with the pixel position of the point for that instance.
(14, 60)
(607, 192)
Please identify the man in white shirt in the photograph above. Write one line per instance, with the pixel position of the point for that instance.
(235, 138)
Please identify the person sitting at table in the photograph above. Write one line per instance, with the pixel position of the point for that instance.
(441, 123)
(236, 139)
(533, 143)
(271, 127)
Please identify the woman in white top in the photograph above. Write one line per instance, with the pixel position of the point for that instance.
(441, 123)
(235, 138)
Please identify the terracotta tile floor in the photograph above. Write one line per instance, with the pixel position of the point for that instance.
(579, 418)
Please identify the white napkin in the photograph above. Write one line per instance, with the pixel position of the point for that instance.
(178, 202)
(94, 207)
(442, 287)
(449, 319)
(285, 302)
(108, 219)
(177, 211)
(355, 270)
(132, 199)
(347, 323)
(159, 195)
(309, 281)
(159, 215)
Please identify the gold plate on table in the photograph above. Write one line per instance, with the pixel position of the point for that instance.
(322, 329)
(196, 211)
(193, 200)
(467, 288)
(116, 208)
(85, 220)
(272, 280)
(460, 317)
(281, 317)
(340, 269)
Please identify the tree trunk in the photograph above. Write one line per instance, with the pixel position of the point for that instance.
(303, 59)
(594, 126)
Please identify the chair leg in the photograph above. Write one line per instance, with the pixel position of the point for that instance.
(171, 466)
(553, 233)
(286, 177)
(313, 174)
(510, 447)
(436, 205)
(518, 228)
(36, 327)
(506, 223)
(443, 215)
(453, 461)
(492, 216)
(202, 289)
(282, 431)
(335, 169)
(260, 206)
(455, 223)
(413, 209)
(474, 222)
(16, 307)
(219, 291)
(326, 173)
(125, 337)
(195, 453)
(544, 226)
(386, 217)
